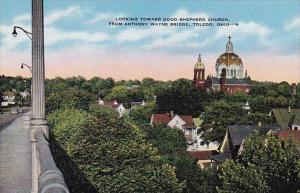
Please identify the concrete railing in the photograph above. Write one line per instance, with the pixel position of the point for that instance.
(50, 178)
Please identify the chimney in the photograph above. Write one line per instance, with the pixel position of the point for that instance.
(289, 109)
(172, 114)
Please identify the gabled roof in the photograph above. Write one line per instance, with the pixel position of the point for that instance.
(161, 118)
(166, 118)
(112, 104)
(244, 81)
(285, 118)
(203, 155)
(188, 119)
(238, 133)
(288, 134)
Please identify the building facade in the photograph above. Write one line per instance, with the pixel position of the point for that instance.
(230, 74)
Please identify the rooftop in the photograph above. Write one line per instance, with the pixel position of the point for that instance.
(286, 117)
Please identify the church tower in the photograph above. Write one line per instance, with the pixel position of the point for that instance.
(199, 75)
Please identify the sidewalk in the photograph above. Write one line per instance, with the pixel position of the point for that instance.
(15, 158)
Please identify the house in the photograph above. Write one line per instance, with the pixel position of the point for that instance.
(133, 104)
(201, 144)
(287, 118)
(114, 105)
(183, 122)
(8, 98)
(203, 157)
(289, 134)
(235, 137)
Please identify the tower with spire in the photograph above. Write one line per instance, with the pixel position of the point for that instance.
(199, 74)
(230, 77)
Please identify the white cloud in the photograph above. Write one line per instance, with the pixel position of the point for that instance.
(294, 24)
(53, 35)
(21, 19)
(134, 34)
(104, 16)
(183, 13)
(8, 41)
(59, 14)
(175, 34)
(174, 40)
(244, 29)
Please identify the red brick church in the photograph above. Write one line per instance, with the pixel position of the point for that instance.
(230, 77)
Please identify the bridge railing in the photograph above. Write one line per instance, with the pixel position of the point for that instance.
(50, 179)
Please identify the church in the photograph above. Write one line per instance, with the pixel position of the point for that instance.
(230, 77)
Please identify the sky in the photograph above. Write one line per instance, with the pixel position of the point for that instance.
(79, 40)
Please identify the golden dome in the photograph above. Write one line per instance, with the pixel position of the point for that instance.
(229, 59)
(199, 64)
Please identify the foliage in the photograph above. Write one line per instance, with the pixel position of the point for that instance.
(63, 96)
(141, 115)
(182, 99)
(219, 114)
(113, 155)
(171, 144)
(243, 179)
(125, 95)
(264, 162)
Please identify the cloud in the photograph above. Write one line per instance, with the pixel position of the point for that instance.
(21, 19)
(104, 16)
(59, 14)
(8, 41)
(183, 13)
(134, 34)
(174, 40)
(294, 24)
(53, 35)
(244, 29)
(158, 34)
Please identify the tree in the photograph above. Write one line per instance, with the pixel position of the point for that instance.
(238, 178)
(264, 162)
(111, 154)
(68, 97)
(141, 115)
(284, 89)
(218, 115)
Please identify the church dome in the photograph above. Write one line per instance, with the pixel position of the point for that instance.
(199, 64)
(229, 57)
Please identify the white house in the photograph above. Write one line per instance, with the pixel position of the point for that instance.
(115, 105)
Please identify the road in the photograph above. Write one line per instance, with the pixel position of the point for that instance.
(15, 157)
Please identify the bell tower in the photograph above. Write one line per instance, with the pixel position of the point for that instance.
(199, 75)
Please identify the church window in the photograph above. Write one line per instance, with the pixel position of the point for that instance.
(231, 72)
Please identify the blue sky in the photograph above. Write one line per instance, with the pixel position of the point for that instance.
(271, 27)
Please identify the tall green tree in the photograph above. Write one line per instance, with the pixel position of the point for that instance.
(266, 163)
(111, 154)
